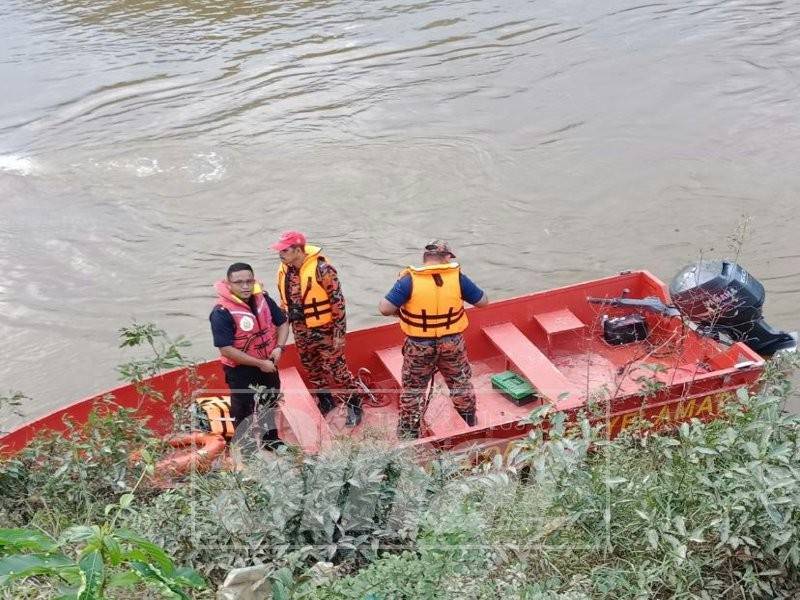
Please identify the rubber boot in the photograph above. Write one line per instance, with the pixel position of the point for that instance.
(354, 414)
(469, 417)
(271, 441)
(354, 411)
(325, 402)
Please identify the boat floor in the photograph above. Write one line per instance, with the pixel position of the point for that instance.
(598, 370)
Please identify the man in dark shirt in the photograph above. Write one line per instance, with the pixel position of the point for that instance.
(429, 300)
(250, 331)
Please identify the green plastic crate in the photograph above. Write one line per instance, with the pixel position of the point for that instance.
(514, 387)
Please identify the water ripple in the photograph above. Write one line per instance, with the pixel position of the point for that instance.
(146, 144)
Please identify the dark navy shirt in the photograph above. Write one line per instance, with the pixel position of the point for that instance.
(401, 292)
(223, 327)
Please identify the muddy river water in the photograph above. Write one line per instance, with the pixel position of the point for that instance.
(146, 144)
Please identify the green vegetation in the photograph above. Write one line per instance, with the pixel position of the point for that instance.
(711, 510)
(164, 353)
(105, 558)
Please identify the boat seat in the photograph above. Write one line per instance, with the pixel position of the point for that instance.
(531, 363)
(300, 420)
(392, 359)
(559, 325)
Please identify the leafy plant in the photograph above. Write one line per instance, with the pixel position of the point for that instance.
(165, 353)
(709, 511)
(289, 510)
(60, 479)
(650, 385)
(87, 561)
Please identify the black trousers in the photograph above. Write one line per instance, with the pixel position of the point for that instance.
(239, 380)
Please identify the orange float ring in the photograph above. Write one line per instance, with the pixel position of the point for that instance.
(195, 451)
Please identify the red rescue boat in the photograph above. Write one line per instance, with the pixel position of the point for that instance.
(612, 347)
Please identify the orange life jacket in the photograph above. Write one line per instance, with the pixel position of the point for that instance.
(435, 308)
(254, 332)
(315, 302)
(213, 414)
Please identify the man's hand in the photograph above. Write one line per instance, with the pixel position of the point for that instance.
(275, 355)
(268, 366)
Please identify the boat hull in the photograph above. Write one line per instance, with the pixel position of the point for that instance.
(553, 339)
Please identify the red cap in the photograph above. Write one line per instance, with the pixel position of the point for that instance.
(289, 238)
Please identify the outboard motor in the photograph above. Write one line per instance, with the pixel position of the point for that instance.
(724, 300)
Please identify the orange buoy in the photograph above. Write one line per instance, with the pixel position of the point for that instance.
(195, 451)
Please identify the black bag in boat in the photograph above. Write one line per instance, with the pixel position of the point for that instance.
(624, 330)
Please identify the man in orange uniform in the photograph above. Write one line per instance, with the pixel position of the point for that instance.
(312, 298)
(430, 303)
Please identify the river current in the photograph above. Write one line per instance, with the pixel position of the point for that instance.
(146, 144)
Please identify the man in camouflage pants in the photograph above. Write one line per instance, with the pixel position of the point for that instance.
(429, 301)
(312, 298)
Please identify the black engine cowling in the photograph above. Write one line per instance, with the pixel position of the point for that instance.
(722, 298)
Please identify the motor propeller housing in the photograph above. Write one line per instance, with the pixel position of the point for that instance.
(725, 300)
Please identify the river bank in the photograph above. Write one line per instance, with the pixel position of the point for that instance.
(709, 511)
